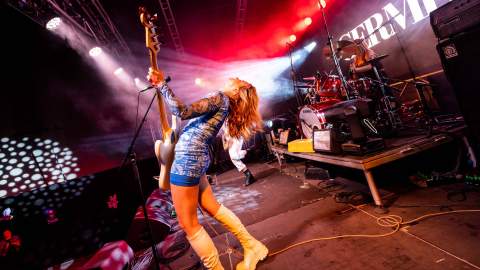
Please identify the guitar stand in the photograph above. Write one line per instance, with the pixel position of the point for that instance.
(131, 157)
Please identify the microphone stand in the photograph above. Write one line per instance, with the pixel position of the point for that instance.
(334, 54)
(293, 77)
(131, 157)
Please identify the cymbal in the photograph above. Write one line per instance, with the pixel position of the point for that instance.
(378, 58)
(345, 43)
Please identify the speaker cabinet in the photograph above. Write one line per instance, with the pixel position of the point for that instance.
(460, 56)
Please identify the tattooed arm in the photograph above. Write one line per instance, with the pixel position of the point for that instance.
(198, 108)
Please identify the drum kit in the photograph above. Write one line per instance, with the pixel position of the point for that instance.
(327, 95)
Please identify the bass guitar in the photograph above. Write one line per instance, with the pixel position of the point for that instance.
(164, 148)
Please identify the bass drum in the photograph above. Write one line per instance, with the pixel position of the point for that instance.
(317, 115)
(311, 117)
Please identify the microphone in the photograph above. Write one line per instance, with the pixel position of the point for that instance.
(167, 80)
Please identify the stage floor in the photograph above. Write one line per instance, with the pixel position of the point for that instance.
(280, 212)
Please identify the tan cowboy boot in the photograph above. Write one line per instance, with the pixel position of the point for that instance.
(203, 245)
(253, 250)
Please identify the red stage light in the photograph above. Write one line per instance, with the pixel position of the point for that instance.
(292, 38)
(307, 21)
(322, 3)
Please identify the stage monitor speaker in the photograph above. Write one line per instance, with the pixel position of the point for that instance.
(455, 17)
(460, 59)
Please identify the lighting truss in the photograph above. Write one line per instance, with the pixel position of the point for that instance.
(172, 26)
(87, 16)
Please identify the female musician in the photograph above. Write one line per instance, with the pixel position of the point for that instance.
(360, 67)
(237, 105)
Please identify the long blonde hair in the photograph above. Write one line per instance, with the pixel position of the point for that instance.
(363, 53)
(244, 117)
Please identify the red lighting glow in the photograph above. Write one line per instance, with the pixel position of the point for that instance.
(322, 3)
(307, 21)
(292, 38)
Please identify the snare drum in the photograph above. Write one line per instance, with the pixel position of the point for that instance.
(361, 87)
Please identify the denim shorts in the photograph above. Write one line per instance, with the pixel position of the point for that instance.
(188, 167)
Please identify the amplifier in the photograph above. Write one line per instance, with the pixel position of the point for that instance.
(460, 59)
(327, 141)
(455, 17)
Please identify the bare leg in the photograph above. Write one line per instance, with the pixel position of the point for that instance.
(185, 200)
(206, 199)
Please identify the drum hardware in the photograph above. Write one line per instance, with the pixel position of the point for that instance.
(361, 88)
(389, 106)
(418, 111)
(370, 126)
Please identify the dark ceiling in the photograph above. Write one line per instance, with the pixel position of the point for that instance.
(207, 28)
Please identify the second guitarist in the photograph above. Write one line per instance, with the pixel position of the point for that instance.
(238, 106)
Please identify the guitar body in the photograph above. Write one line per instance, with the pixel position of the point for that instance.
(165, 153)
(165, 148)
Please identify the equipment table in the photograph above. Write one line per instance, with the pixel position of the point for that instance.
(400, 148)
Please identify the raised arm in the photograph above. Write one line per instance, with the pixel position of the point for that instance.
(198, 108)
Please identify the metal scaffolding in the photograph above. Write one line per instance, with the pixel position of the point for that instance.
(172, 27)
(240, 17)
(87, 16)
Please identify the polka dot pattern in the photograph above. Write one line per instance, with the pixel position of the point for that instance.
(20, 160)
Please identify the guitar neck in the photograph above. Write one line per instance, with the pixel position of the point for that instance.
(153, 45)
(163, 115)
(161, 103)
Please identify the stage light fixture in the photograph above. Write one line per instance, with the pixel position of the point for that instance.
(198, 81)
(322, 4)
(269, 123)
(95, 51)
(307, 21)
(53, 23)
(118, 71)
(310, 46)
(292, 38)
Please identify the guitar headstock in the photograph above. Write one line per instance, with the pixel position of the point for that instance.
(151, 37)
